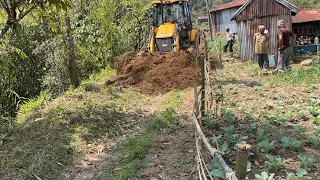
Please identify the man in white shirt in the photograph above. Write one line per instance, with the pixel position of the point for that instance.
(230, 42)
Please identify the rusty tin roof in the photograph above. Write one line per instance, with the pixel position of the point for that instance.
(229, 5)
(306, 15)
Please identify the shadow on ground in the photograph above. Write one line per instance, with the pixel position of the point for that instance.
(57, 137)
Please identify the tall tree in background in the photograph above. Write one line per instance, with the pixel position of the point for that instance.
(16, 10)
(73, 57)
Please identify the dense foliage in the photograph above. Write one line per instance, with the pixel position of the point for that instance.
(35, 52)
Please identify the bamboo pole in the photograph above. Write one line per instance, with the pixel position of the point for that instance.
(207, 170)
(220, 53)
(199, 158)
(214, 152)
(196, 102)
(209, 19)
(203, 80)
(242, 160)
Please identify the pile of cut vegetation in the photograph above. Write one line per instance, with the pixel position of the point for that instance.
(155, 73)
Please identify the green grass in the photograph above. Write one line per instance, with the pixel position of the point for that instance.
(31, 106)
(130, 160)
(104, 74)
(173, 100)
(299, 76)
(216, 45)
(56, 136)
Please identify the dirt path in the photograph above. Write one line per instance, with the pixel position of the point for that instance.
(172, 153)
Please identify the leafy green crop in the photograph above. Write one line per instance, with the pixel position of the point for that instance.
(264, 176)
(229, 129)
(274, 162)
(314, 101)
(291, 143)
(306, 161)
(223, 148)
(211, 123)
(235, 139)
(271, 117)
(261, 135)
(252, 127)
(315, 140)
(266, 145)
(313, 110)
(299, 175)
(298, 129)
(316, 120)
(248, 113)
(216, 169)
(284, 118)
(263, 112)
(316, 129)
(231, 116)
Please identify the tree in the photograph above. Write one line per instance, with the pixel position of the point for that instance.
(16, 10)
(73, 58)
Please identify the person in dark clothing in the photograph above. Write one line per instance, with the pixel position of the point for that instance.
(230, 41)
(286, 38)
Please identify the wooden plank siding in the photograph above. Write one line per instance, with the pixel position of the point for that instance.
(257, 12)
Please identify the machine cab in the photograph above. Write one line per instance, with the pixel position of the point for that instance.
(171, 26)
(173, 11)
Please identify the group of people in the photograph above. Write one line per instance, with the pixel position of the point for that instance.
(286, 39)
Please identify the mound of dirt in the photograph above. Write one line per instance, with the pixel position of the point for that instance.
(157, 73)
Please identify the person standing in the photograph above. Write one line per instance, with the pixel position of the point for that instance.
(261, 49)
(266, 32)
(286, 39)
(230, 41)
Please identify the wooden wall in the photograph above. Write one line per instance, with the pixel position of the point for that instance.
(257, 12)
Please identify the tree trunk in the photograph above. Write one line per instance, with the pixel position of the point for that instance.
(4, 30)
(73, 58)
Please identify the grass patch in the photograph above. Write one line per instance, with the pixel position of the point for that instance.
(31, 106)
(106, 73)
(57, 135)
(299, 76)
(129, 161)
(173, 100)
(218, 42)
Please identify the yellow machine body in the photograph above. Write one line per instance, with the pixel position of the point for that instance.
(171, 27)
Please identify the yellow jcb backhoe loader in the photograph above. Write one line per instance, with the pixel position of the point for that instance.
(172, 27)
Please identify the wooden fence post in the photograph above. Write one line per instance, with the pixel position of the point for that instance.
(241, 160)
(203, 80)
(220, 53)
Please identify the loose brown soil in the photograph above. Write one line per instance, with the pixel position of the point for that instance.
(157, 73)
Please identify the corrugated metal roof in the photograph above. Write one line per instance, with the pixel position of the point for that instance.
(294, 9)
(229, 5)
(306, 15)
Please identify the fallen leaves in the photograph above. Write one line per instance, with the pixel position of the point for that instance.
(102, 148)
